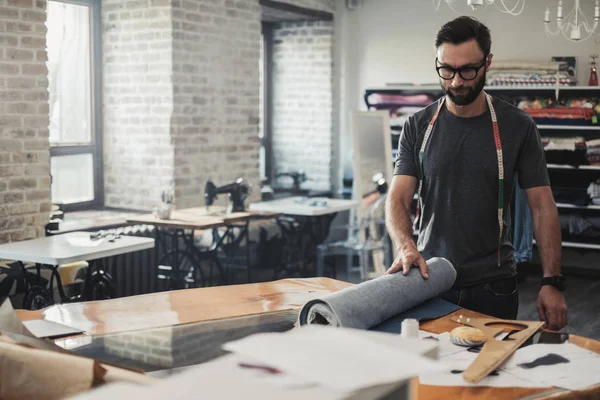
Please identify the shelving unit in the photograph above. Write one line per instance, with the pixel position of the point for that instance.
(567, 205)
(576, 245)
(558, 172)
(568, 128)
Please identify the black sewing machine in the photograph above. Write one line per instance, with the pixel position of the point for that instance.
(298, 178)
(238, 192)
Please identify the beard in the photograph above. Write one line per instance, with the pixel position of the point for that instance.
(466, 94)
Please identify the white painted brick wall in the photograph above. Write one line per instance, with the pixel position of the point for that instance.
(181, 94)
(216, 95)
(302, 101)
(24, 144)
(138, 101)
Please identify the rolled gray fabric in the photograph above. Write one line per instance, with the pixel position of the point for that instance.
(370, 303)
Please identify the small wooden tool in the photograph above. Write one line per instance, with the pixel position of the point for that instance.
(495, 352)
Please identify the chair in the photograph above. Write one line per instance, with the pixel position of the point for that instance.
(367, 239)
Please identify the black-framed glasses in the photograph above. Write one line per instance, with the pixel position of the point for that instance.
(467, 73)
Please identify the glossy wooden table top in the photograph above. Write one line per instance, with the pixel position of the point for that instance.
(184, 306)
(194, 305)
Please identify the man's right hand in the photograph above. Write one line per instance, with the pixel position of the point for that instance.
(408, 256)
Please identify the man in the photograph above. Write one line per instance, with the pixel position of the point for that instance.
(464, 176)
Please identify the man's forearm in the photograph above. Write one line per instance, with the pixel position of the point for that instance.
(548, 238)
(398, 221)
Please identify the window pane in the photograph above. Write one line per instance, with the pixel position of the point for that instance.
(72, 178)
(68, 42)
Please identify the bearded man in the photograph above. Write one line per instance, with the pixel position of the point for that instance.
(461, 155)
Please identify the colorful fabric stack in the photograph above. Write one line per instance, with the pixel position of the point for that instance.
(530, 74)
(573, 111)
(594, 192)
(563, 116)
(568, 151)
(593, 152)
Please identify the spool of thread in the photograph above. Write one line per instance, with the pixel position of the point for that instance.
(467, 336)
(410, 328)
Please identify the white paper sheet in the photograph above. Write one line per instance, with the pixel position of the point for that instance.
(447, 348)
(334, 357)
(574, 375)
(460, 362)
(49, 329)
(219, 379)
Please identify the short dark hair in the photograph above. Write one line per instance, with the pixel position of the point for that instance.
(463, 29)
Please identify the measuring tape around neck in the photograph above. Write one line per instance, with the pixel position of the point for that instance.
(498, 144)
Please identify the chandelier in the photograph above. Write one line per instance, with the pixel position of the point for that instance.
(512, 7)
(574, 26)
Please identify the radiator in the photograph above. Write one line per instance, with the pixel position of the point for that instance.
(133, 273)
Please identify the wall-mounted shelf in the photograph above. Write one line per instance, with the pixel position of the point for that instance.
(577, 245)
(566, 205)
(436, 87)
(570, 127)
(541, 88)
(563, 166)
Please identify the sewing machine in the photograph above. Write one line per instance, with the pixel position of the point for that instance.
(298, 178)
(238, 192)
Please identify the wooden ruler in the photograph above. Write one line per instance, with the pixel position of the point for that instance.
(495, 352)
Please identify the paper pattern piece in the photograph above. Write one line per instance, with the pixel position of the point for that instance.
(535, 366)
(581, 370)
(337, 358)
(458, 361)
(48, 329)
(32, 368)
(9, 322)
(222, 378)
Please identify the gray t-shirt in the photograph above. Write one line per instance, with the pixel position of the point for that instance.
(460, 187)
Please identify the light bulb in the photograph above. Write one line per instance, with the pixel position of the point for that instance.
(559, 10)
(576, 33)
(475, 3)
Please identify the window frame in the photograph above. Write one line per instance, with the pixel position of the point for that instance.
(95, 146)
(267, 139)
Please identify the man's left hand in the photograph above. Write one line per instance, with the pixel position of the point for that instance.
(552, 308)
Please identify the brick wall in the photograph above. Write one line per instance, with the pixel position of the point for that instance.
(181, 97)
(24, 144)
(216, 95)
(138, 101)
(302, 101)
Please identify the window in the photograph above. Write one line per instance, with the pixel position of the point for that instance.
(73, 44)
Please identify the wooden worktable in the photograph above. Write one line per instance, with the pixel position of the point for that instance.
(195, 305)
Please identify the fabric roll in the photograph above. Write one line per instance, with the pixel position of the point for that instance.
(370, 303)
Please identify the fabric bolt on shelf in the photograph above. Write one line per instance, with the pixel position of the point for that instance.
(370, 303)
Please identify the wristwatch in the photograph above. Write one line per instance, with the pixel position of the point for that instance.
(558, 281)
